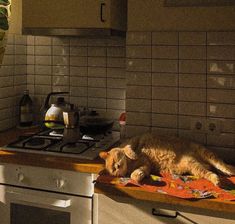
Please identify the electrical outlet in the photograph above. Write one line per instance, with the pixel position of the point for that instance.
(213, 126)
(197, 125)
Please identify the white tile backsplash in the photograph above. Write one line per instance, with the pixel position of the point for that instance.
(138, 52)
(193, 80)
(221, 110)
(139, 92)
(192, 108)
(138, 118)
(97, 51)
(97, 72)
(138, 65)
(192, 38)
(88, 68)
(221, 96)
(192, 66)
(165, 93)
(168, 66)
(221, 67)
(165, 107)
(138, 38)
(164, 120)
(221, 52)
(221, 81)
(47, 41)
(165, 38)
(162, 79)
(13, 79)
(43, 69)
(192, 94)
(192, 52)
(138, 105)
(221, 38)
(61, 50)
(139, 78)
(165, 52)
(78, 51)
(78, 61)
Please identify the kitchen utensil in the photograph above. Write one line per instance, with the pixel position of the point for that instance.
(53, 115)
(71, 117)
(94, 123)
(71, 131)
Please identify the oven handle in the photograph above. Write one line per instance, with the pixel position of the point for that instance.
(48, 201)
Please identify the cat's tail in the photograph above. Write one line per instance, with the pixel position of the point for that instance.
(211, 158)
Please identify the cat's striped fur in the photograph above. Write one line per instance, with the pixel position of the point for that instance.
(148, 153)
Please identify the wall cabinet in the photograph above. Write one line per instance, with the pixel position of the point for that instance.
(120, 210)
(74, 14)
(153, 15)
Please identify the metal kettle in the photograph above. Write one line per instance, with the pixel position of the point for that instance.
(53, 114)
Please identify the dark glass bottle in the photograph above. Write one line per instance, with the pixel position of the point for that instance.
(26, 110)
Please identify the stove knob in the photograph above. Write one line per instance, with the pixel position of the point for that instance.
(60, 183)
(21, 177)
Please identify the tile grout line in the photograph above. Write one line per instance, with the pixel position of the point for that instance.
(69, 57)
(151, 77)
(206, 109)
(87, 75)
(178, 85)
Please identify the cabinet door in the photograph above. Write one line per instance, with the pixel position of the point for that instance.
(119, 210)
(209, 218)
(122, 210)
(66, 14)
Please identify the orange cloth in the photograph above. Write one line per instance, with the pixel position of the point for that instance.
(187, 187)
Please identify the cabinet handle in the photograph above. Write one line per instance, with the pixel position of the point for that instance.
(40, 200)
(102, 6)
(154, 212)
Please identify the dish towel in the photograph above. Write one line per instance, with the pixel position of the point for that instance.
(187, 187)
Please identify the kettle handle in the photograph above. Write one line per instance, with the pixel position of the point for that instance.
(46, 104)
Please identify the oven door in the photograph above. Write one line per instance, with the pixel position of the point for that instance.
(21, 206)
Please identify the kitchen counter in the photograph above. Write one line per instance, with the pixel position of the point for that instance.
(96, 166)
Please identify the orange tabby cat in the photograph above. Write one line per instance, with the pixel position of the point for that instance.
(145, 154)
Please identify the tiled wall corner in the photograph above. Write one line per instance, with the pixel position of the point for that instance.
(12, 80)
(174, 78)
(91, 70)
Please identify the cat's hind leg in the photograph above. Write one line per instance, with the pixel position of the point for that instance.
(212, 159)
(198, 169)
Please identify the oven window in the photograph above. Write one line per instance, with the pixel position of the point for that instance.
(22, 214)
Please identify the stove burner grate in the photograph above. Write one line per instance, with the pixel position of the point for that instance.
(76, 147)
(34, 143)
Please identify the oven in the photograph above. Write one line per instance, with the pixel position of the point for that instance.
(38, 195)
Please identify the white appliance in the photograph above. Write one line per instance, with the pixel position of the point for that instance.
(35, 195)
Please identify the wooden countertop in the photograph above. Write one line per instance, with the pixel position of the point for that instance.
(96, 166)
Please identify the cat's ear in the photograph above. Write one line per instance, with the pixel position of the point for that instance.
(129, 152)
(103, 155)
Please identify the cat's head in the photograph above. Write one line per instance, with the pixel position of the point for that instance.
(116, 160)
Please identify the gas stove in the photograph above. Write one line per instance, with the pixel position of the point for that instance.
(51, 142)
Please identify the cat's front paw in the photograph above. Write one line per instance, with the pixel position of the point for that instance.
(137, 175)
